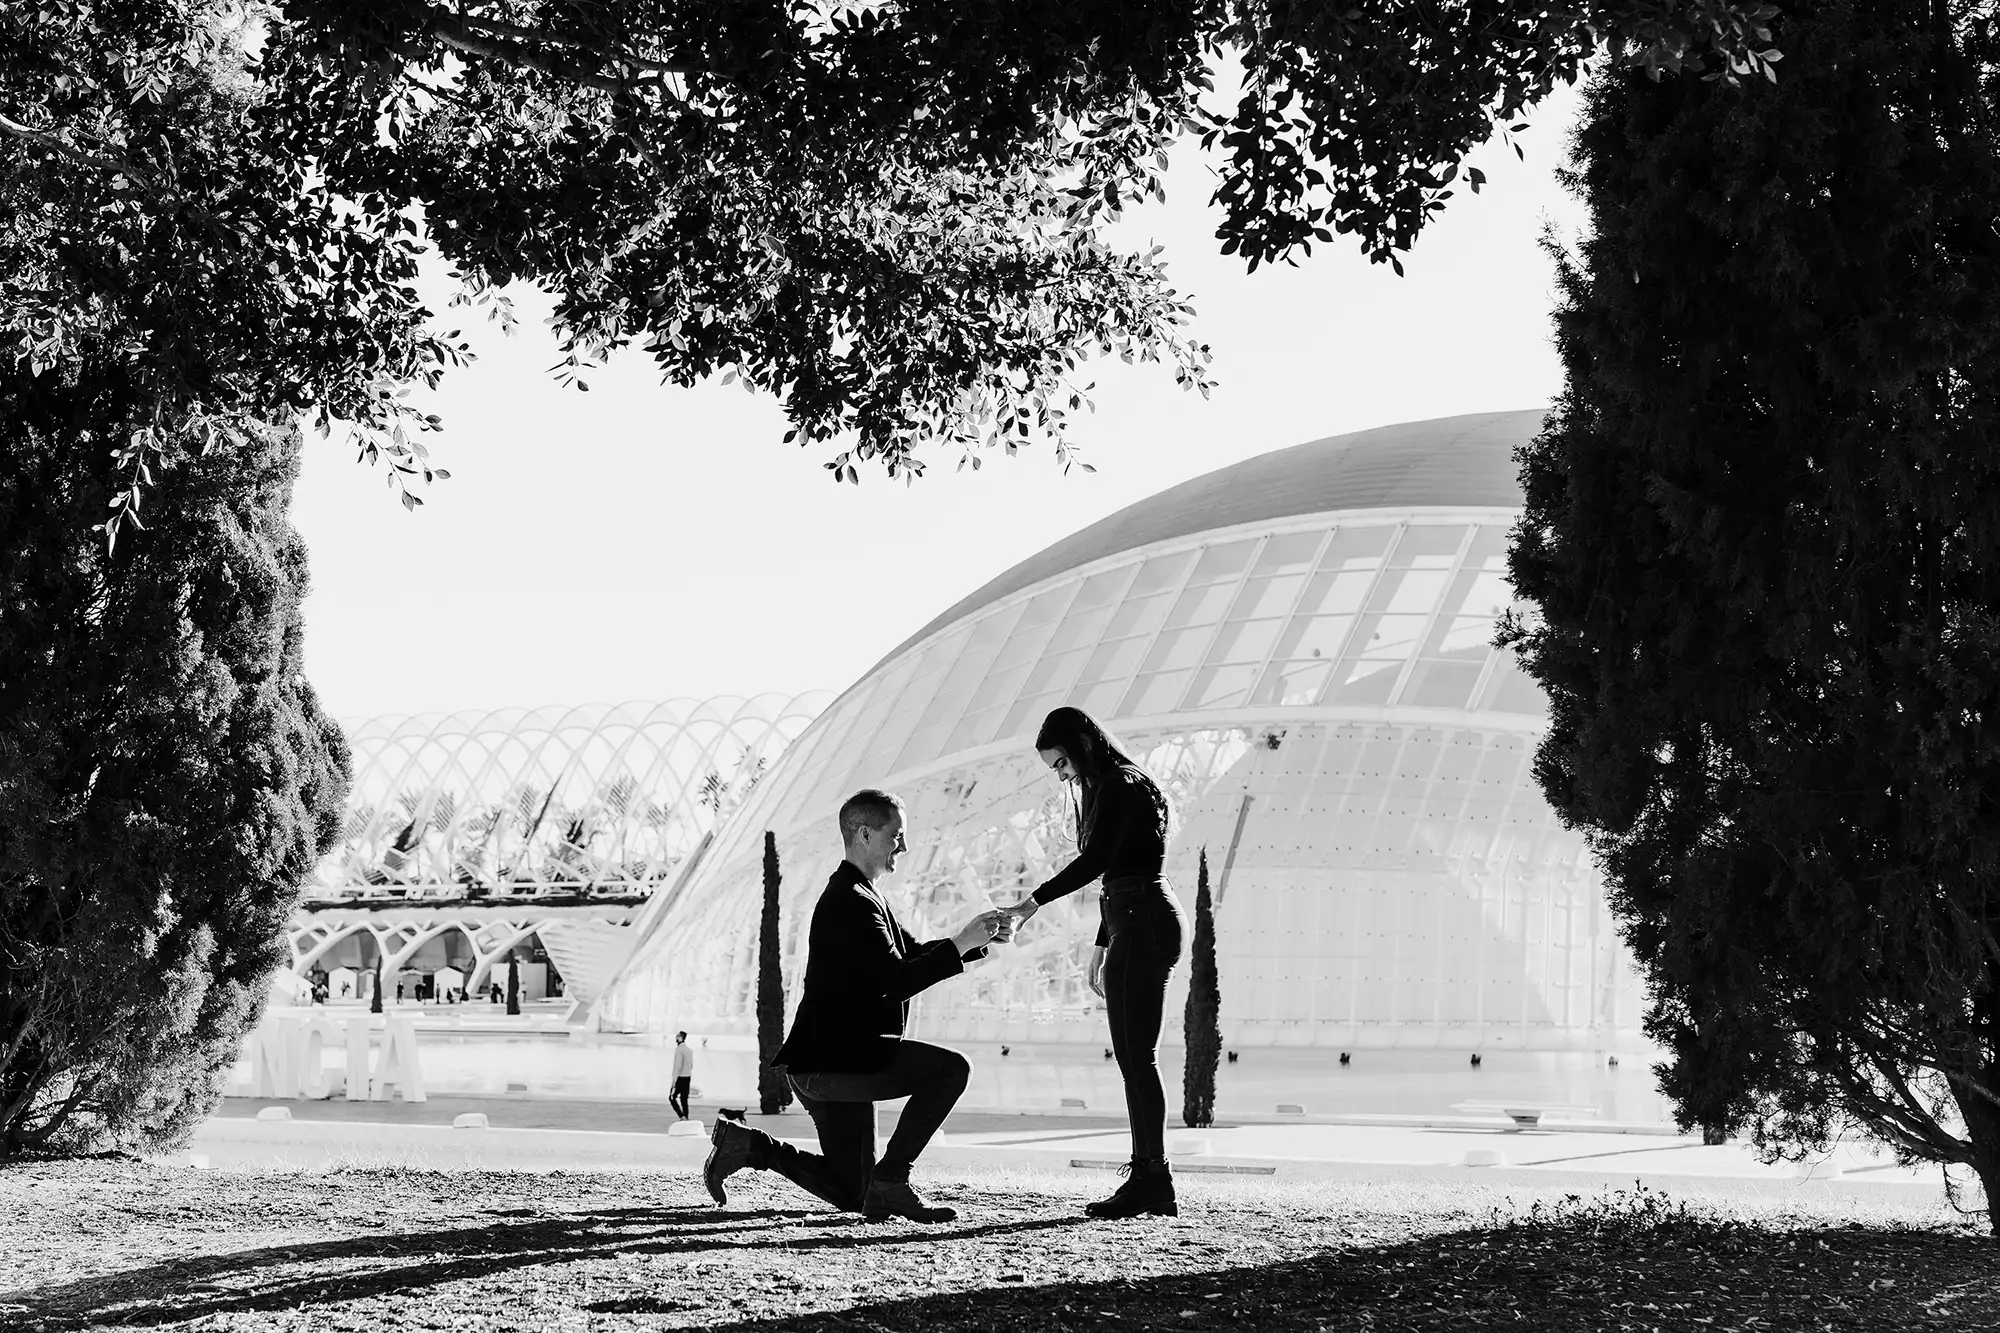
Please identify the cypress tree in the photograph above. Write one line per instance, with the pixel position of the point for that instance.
(1202, 1021)
(167, 779)
(1760, 545)
(774, 1094)
(513, 982)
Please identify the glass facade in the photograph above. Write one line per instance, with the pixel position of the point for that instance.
(609, 798)
(1320, 694)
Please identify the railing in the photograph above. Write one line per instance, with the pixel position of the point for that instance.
(618, 891)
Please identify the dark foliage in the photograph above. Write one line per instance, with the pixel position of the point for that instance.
(774, 1092)
(170, 268)
(166, 777)
(167, 780)
(1762, 546)
(1202, 1019)
(893, 217)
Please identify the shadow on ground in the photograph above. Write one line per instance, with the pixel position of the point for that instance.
(1576, 1275)
(287, 1277)
(1627, 1264)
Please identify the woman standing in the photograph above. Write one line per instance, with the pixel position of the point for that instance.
(1123, 823)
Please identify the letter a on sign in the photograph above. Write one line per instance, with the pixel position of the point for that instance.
(397, 1066)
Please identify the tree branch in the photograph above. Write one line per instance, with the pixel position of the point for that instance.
(41, 1134)
(18, 1106)
(75, 154)
(1910, 1112)
(511, 45)
(523, 35)
(172, 199)
(1971, 1082)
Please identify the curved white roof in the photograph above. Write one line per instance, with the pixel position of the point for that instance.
(1361, 572)
(1448, 461)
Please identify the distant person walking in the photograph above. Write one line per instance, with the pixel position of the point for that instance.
(1123, 823)
(847, 1051)
(683, 1076)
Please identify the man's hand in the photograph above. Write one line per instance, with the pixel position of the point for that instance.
(978, 932)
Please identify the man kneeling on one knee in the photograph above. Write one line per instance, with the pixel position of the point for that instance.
(847, 1051)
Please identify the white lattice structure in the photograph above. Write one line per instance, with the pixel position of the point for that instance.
(585, 943)
(605, 800)
(1299, 645)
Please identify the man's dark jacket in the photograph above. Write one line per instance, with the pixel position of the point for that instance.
(862, 967)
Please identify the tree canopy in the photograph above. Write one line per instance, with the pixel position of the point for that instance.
(893, 217)
(1761, 550)
(166, 274)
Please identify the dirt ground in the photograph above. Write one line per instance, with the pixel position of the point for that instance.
(118, 1244)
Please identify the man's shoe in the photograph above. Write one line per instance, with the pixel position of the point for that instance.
(895, 1198)
(735, 1147)
(1148, 1191)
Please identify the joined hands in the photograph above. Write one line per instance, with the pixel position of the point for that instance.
(982, 930)
(994, 926)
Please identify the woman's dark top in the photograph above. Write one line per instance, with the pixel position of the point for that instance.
(1126, 841)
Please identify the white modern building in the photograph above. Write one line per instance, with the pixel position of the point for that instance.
(532, 800)
(532, 834)
(1299, 646)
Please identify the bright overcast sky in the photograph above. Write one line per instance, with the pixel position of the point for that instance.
(646, 542)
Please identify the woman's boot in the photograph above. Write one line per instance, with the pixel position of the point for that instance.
(1148, 1191)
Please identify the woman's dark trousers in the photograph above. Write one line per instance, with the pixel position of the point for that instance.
(1145, 930)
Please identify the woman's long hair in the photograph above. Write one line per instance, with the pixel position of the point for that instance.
(1096, 755)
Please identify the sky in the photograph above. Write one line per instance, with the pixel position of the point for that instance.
(645, 542)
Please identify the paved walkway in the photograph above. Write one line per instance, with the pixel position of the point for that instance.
(599, 1135)
(604, 1114)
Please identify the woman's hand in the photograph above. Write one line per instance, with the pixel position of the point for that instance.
(1097, 971)
(1023, 910)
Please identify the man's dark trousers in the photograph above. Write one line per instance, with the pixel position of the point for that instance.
(678, 1098)
(842, 1107)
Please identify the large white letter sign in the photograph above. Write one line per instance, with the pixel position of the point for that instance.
(397, 1065)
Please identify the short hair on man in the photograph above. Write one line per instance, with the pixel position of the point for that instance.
(680, 1036)
(867, 808)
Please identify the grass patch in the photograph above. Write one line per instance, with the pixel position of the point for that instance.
(126, 1245)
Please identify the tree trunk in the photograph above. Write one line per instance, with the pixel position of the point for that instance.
(1982, 1128)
